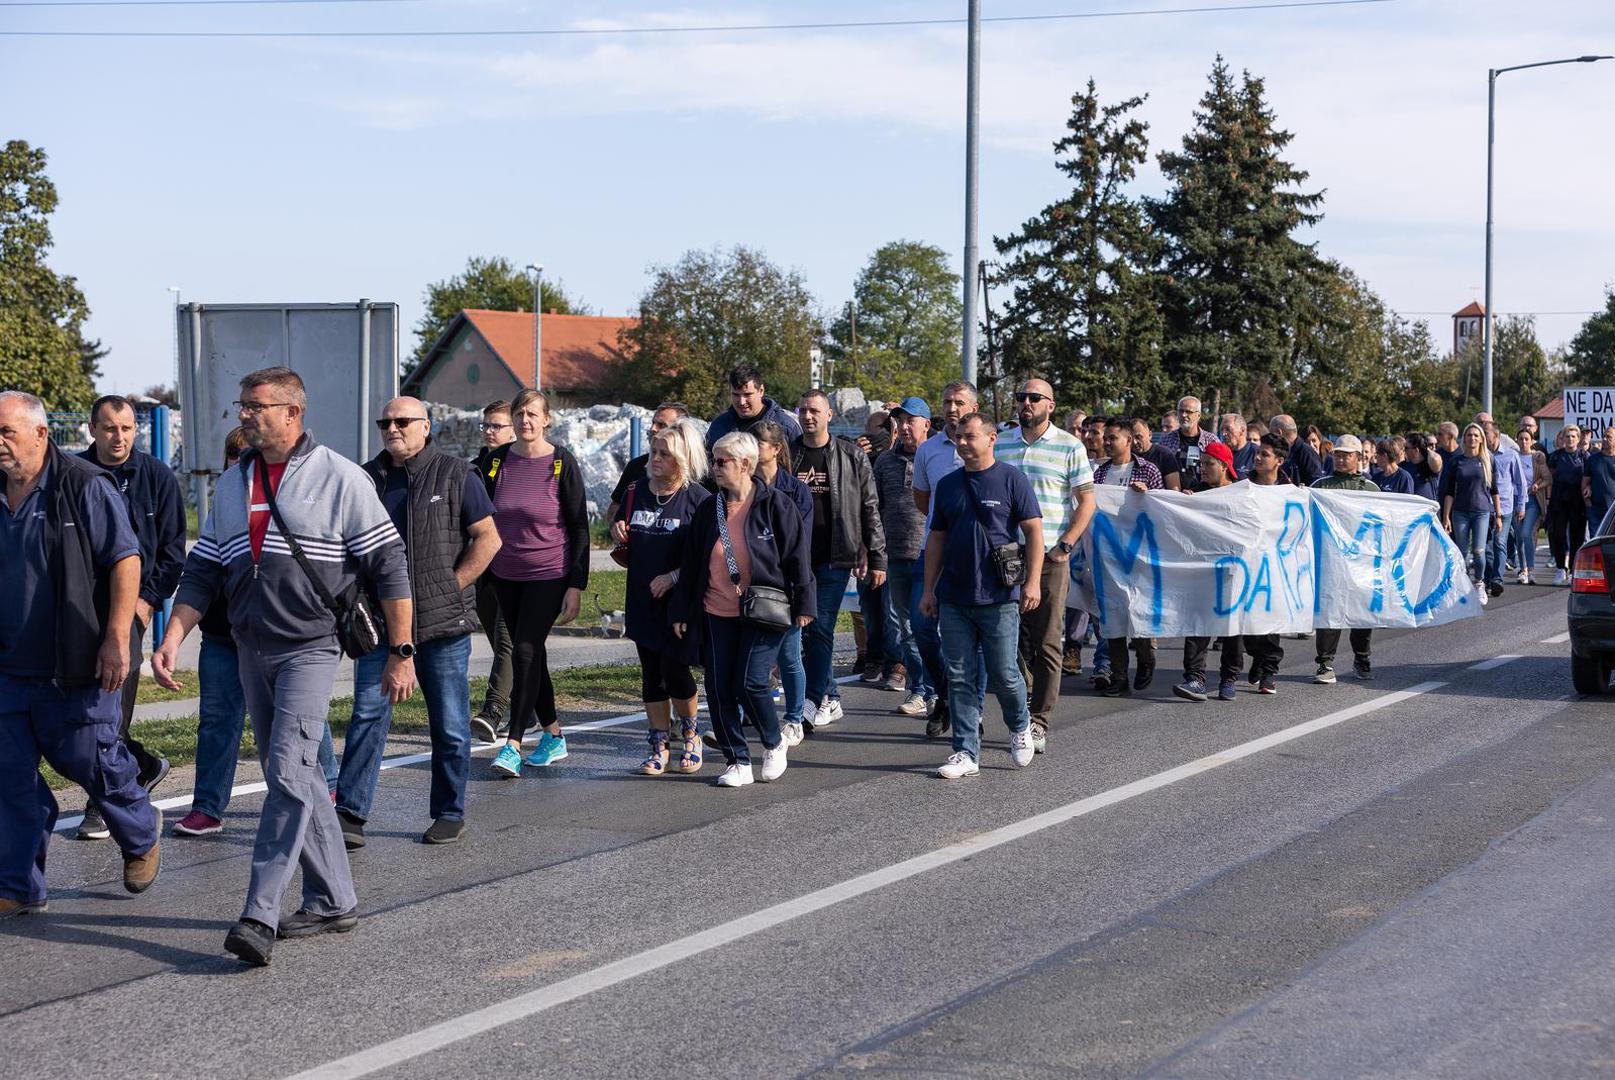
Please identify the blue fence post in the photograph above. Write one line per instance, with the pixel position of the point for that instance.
(636, 437)
(160, 451)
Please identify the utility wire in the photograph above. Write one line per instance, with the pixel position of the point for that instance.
(178, 3)
(647, 30)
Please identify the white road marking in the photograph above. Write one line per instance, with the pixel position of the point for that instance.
(1557, 639)
(437, 1036)
(1494, 662)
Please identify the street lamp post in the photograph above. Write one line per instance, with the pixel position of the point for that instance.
(972, 165)
(1491, 136)
(538, 325)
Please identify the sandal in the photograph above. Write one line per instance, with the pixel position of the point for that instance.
(690, 759)
(655, 764)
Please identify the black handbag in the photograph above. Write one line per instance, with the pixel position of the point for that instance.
(1008, 560)
(358, 630)
(762, 606)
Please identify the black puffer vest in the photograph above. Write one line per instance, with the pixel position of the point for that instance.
(433, 540)
(82, 592)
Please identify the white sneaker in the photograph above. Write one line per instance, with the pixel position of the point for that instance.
(1020, 747)
(829, 712)
(1524, 578)
(1483, 597)
(773, 764)
(790, 734)
(735, 776)
(1560, 577)
(958, 766)
(914, 705)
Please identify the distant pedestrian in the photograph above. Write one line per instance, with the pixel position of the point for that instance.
(663, 417)
(1509, 470)
(1167, 463)
(1216, 467)
(1234, 432)
(1121, 469)
(774, 470)
(1539, 479)
(1470, 506)
(1302, 465)
(1186, 441)
(1391, 475)
(903, 525)
(1567, 501)
(1346, 477)
(490, 719)
(747, 405)
(70, 573)
(1600, 482)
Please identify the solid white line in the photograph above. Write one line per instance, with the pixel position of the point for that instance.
(1494, 662)
(425, 1041)
(1557, 639)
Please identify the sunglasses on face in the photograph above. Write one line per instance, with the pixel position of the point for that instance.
(399, 422)
(1033, 398)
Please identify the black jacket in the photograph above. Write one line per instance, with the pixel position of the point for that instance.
(777, 542)
(157, 511)
(855, 507)
(574, 498)
(433, 540)
(83, 594)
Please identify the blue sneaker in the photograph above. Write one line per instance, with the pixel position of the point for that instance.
(508, 762)
(1191, 689)
(1227, 690)
(551, 748)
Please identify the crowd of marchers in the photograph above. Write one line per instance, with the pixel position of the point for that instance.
(959, 537)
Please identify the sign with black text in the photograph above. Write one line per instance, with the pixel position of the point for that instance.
(1590, 408)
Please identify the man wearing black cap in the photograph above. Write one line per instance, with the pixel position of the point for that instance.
(904, 528)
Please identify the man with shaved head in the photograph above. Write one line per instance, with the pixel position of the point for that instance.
(1056, 465)
(1303, 465)
(1187, 442)
(443, 512)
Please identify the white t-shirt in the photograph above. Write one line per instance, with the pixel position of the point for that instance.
(1119, 475)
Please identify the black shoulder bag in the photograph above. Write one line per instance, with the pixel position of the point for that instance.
(358, 630)
(1009, 560)
(762, 606)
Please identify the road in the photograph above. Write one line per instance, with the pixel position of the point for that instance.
(1408, 877)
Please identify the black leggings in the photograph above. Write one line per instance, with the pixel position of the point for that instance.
(1567, 529)
(662, 676)
(529, 609)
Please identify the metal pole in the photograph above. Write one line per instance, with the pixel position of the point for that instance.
(538, 325)
(972, 161)
(1486, 316)
(364, 380)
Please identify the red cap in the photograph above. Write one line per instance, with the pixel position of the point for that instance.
(1221, 452)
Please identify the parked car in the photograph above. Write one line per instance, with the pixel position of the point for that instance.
(1592, 612)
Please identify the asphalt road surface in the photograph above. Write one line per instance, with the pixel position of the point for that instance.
(1407, 877)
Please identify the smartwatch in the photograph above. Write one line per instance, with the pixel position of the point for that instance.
(405, 651)
(1065, 548)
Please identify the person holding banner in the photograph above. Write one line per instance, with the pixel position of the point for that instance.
(1124, 470)
(1216, 471)
(1346, 477)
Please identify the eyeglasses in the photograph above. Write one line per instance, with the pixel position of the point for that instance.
(486, 428)
(719, 462)
(399, 422)
(1033, 398)
(253, 408)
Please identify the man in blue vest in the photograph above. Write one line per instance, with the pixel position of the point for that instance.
(70, 572)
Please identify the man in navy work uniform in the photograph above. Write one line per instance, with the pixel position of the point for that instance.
(747, 405)
(70, 572)
(976, 510)
(157, 512)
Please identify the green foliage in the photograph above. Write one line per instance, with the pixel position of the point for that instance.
(1082, 310)
(906, 336)
(1591, 357)
(708, 313)
(1235, 283)
(42, 313)
(495, 284)
(1522, 376)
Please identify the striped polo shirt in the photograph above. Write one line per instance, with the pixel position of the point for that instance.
(1057, 467)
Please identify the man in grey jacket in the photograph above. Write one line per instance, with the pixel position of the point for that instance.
(903, 525)
(286, 639)
(846, 541)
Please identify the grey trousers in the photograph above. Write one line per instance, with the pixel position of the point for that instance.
(288, 696)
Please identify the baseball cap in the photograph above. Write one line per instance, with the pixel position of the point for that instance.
(1221, 452)
(913, 406)
(1351, 444)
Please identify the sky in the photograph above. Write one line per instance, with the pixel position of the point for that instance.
(339, 168)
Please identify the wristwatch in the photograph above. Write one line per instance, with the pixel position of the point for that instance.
(1065, 548)
(405, 651)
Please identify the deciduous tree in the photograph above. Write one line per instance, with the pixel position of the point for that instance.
(495, 284)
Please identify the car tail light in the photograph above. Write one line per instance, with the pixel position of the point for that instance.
(1588, 576)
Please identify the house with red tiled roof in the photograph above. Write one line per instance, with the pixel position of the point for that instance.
(482, 356)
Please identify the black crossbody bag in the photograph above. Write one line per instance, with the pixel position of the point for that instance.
(358, 630)
(1009, 560)
(762, 606)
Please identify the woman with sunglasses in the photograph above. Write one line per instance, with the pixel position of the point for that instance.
(752, 537)
(541, 570)
(654, 521)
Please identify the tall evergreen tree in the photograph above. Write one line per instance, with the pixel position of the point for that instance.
(1082, 309)
(1235, 281)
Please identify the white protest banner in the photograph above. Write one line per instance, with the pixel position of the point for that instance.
(1590, 408)
(1246, 559)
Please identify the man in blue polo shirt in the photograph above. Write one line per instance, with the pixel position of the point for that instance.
(70, 572)
(975, 515)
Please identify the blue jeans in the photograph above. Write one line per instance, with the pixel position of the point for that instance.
(738, 659)
(1101, 655)
(1469, 528)
(1525, 535)
(441, 668)
(879, 647)
(901, 602)
(994, 629)
(792, 676)
(819, 637)
(223, 713)
(1497, 550)
(75, 729)
(927, 636)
